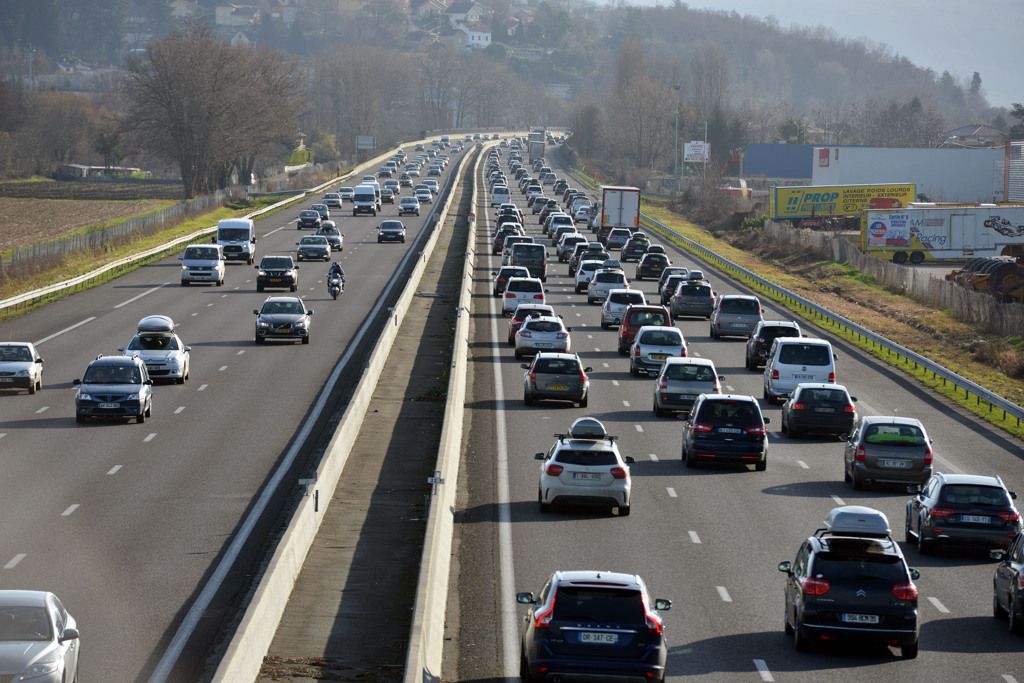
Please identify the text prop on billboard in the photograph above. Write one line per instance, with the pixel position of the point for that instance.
(806, 201)
(696, 151)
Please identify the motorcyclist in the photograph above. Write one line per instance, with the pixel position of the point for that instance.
(336, 271)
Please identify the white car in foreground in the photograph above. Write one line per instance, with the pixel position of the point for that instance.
(20, 367)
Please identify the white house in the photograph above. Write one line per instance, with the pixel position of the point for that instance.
(465, 12)
(236, 16)
(477, 35)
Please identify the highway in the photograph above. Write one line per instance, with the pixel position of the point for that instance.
(709, 539)
(125, 521)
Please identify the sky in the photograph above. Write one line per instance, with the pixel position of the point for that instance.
(943, 35)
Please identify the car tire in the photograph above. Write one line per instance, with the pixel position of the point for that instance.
(800, 642)
(180, 380)
(909, 651)
(259, 340)
(220, 283)
(80, 419)
(33, 387)
(527, 400)
(517, 355)
(923, 547)
(544, 507)
(632, 370)
(624, 510)
(638, 276)
(761, 465)
(793, 433)
(786, 628)
(712, 333)
(293, 288)
(908, 535)
(1013, 620)
(856, 483)
(305, 340)
(690, 461)
(184, 283)
(141, 417)
(997, 610)
(259, 287)
(524, 666)
(604, 325)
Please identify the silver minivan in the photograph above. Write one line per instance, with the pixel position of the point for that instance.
(202, 263)
(735, 315)
(797, 360)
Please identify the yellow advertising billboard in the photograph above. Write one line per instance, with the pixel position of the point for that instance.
(806, 201)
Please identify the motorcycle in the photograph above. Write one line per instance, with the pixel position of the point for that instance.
(335, 285)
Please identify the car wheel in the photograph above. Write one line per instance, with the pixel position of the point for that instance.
(518, 355)
(787, 629)
(220, 283)
(908, 535)
(639, 276)
(141, 418)
(793, 433)
(1013, 620)
(712, 333)
(997, 610)
(690, 460)
(305, 340)
(293, 288)
(761, 465)
(180, 380)
(527, 400)
(783, 427)
(80, 419)
(259, 340)
(544, 507)
(909, 650)
(33, 387)
(857, 484)
(624, 510)
(923, 547)
(184, 283)
(633, 371)
(800, 641)
(604, 325)
(524, 666)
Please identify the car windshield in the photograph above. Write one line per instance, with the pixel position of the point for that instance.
(21, 623)
(276, 264)
(640, 318)
(845, 568)
(674, 281)
(590, 265)
(627, 298)
(233, 234)
(153, 342)
(544, 326)
(282, 308)
(599, 605)
(661, 338)
(203, 253)
(695, 290)
(408, 201)
(112, 374)
(970, 494)
(309, 214)
(328, 231)
(823, 396)
(15, 354)
(740, 306)
(312, 239)
(556, 366)
(805, 354)
(729, 412)
(894, 435)
(690, 373)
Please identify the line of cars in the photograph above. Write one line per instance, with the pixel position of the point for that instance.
(850, 579)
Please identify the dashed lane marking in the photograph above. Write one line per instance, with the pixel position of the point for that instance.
(625, 404)
(113, 470)
(938, 605)
(194, 314)
(837, 500)
(730, 388)
(608, 366)
(202, 387)
(149, 437)
(639, 428)
(208, 305)
(70, 510)
(803, 465)
(222, 368)
(653, 457)
(14, 561)
(615, 382)
(3, 434)
(671, 492)
(694, 538)
(66, 329)
(723, 593)
(139, 296)
(241, 352)
(42, 410)
(763, 671)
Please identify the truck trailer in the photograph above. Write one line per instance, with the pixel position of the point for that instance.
(620, 207)
(933, 233)
(536, 150)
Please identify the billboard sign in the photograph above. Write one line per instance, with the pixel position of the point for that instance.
(806, 201)
(366, 142)
(888, 229)
(696, 151)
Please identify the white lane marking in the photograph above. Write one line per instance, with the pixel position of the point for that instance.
(615, 382)
(723, 593)
(590, 336)
(194, 314)
(248, 281)
(222, 368)
(938, 605)
(66, 329)
(625, 404)
(208, 305)
(273, 231)
(729, 388)
(179, 410)
(653, 457)
(3, 434)
(803, 464)
(237, 287)
(223, 296)
(139, 296)
(639, 428)
(202, 387)
(694, 538)
(70, 510)
(14, 561)
(149, 437)
(113, 470)
(762, 670)
(697, 353)
(671, 492)
(597, 350)
(312, 289)
(1009, 679)
(608, 366)
(241, 352)
(42, 410)
(837, 500)
(579, 315)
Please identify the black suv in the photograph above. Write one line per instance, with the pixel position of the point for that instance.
(277, 271)
(726, 428)
(599, 625)
(849, 581)
(114, 386)
(761, 339)
(961, 509)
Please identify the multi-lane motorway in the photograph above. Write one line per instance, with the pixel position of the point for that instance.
(709, 539)
(123, 521)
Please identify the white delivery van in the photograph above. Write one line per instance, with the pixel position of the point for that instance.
(500, 195)
(238, 238)
(202, 263)
(797, 360)
(364, 200)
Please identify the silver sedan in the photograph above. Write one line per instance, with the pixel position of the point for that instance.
(39, 640)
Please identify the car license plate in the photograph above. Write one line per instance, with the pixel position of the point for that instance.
(275, 279)
(6, 379)
(586, 476)
(824, 410)
(600, 638)
(802, 376)
(976, 519)
(730, 430)
(558, 387)
(860, 618)
(543, 345)
(894, 464)
(109, 406)
(659, 356)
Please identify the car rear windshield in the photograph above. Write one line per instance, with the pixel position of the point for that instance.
(586, 458)
(690, 373)
(729, 412)
(824, 396)
(528, 252)
(773, 331)
(281, 308)
(112, 374)
(627, 298)
(508, 272)
(592, 604)
(740, 306)
(556, 366)
(805, 354)
(695, 290)
(661, 338)
(391, 225)
(309, 214)
(894, 435)
(858, 568)
(641, 318)
(313, 239)
(276, 263)
(969, 494)
(610, 277)
(590, 265)
(235, 234)
(525, 286)
(654, 259)
(544, 326)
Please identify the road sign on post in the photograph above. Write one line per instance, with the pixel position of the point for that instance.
(696, 152)
(367, 142)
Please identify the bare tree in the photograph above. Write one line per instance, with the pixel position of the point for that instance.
(709, 71)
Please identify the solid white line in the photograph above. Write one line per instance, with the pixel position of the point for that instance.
(42, 410)
(938, 605)
(139, 296)
(625, 404)
(615, 382)
(671, 492)
(639, 428)
(14, 561)
(222, 368)
(241, 352)
(723, 593)
(113, 470)
(70, 511)
(803, 465)
(762, 669)
(179, 410)
(653, 457)
(694, 538)
(66, 329)
(202, 387)
(149, 437)
(275, 230)
(837, 500)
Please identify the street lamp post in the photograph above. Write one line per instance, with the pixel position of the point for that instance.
(675, 169)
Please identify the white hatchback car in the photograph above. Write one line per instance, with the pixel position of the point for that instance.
(20, 367)
(521, 290)
(615, 305)
(652, 345)
(585, 467)
(603, 282)
(545, 333)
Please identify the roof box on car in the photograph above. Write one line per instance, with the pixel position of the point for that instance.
(588, 428)
(857, 520)
(156, 323)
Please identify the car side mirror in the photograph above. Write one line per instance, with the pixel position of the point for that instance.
(721, 377)
(786, 567)
(538, 456)
(76, 382)
(309, 312)
(39, 360)
(998, 555)
(213, 240)
(630, 460)
(188, 349)
(914, 574)
(255, 311)
(296, 244)
(835, 356)
(767, 420)
(256, 267)
(297, 267)
(853, 398)
(525, 598)
(1013, 494)
(68, 634)
(662, 604)
(914, 489)
(149, 382)
(568, 329)
(524, 366)
(120, 349)
(588, 369)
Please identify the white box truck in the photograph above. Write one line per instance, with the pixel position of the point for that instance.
(620, 207)
(238, 238)
(922, 233)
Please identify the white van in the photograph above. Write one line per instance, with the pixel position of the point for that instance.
(797, 360)
(238, 238)
(202, 263)
(364, 200)
(500, 195)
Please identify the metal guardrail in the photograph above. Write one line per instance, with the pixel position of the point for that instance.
(820, 314)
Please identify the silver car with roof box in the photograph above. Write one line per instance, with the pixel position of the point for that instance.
(165, 355)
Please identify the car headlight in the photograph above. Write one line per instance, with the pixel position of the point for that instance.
(301, 325)
(261, 324)
(262, 273)
(40, 669)
(23, 373)
(184, 267)
(131, 397)
(83, 397)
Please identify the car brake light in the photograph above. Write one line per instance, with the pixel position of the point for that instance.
(636, 351)
(831, 378)
(775, 374)
(928, 456)
(797, 406)
(561, 335)
(663, 383)
(510, 295)
(1008, 516)
(543, 619)
(939, 511)
(904, 591)
(860, 454)
(849, 408)
(812, 586)
(583, 376)
(526, 334)
(533, 377)
(757, 430)
(554, 469)
(619, 473)
(539, 296)
(702, 427)
(717, 388)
